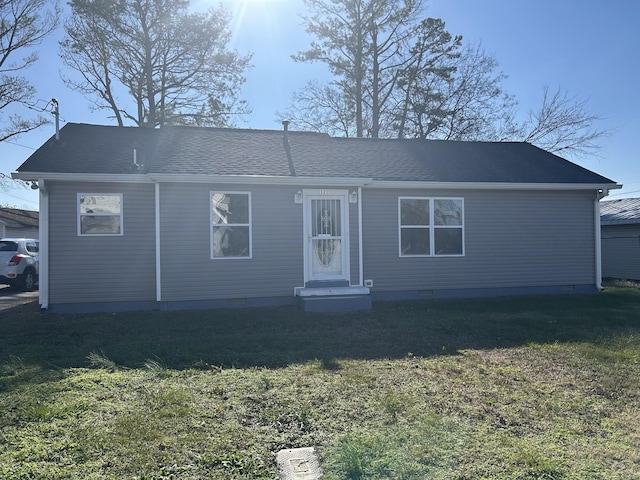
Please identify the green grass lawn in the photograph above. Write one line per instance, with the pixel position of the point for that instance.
(544, 387)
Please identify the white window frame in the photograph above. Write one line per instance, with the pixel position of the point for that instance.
(213, 225)
(431, 227)
(99, 214)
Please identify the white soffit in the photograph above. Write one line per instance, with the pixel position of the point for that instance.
(305, 181)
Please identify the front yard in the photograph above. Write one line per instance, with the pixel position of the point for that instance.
(508, 388)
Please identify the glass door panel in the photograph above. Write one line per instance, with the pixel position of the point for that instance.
(326, 238)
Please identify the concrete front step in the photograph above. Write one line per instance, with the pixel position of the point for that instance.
(335, 303)
(333, 298)
(330, 291)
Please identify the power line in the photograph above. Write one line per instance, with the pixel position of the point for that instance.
(19, 145)
(35, 106)
(19, 198)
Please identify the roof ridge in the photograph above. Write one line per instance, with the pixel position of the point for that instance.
(204, 128)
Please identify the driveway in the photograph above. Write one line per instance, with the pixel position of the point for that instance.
(10, 297)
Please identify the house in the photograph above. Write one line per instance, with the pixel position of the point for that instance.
(18, 223)
(620, 221)
(190, 217)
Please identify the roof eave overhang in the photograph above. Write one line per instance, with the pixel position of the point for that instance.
(494, 185)
(261, 179)
(303, 181)
(82, 177)
(190, 178)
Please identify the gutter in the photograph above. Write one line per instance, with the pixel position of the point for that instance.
(600, 194)
(491, 185)
(158, 263)
(83, 177)
(43, 250)
(360, 253)
(305, 181)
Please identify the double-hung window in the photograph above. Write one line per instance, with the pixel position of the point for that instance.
(430, 226)
(99, 214)
(230, 225)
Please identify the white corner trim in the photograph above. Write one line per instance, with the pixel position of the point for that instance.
(360, 254)
(43, 228)
(598, 237)
(158, 263)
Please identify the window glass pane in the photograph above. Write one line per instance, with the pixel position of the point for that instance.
(102, 224)
(8, 247)
(230, 241)
(326, 220)
(448, 241)
(447, 212)
(414, 211)
(414, 241)
(230, 208)
(100, 203)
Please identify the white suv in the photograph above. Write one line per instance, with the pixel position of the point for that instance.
(19, 262)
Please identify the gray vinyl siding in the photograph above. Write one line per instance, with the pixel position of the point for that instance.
(354, 243)
(18, 232)
(189, 273)
(512, 239)
(86, 269)
(621, 251)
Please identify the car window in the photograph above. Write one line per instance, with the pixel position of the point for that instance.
(32, 247)
(8, 246)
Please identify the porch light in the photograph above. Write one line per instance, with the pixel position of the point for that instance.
(353, 197)
(298, 197)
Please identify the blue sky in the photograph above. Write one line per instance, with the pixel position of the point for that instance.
(588, 47)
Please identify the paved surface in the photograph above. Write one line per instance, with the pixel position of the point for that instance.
(10, 297)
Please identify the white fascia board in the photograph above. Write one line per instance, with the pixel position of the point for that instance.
(83, 177)
(305, 181)
(492, 185)
(260, 180)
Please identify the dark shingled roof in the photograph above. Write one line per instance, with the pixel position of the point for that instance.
(16, 218)
(620, 212)
(217, 151)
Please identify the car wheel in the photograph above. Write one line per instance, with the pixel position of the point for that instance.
(28, 280)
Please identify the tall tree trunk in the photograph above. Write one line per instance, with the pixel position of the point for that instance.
(375, 83)
(359, 71)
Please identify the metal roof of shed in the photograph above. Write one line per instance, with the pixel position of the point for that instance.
(621, 211)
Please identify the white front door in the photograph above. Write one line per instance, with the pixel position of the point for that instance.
(327, 236)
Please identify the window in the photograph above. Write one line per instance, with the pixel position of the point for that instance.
(430, 226)
(230, 225)
(99, 214)
(32, 247)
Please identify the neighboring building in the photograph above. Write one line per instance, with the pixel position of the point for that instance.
(620, 221)
(18, 223)
(188, 217)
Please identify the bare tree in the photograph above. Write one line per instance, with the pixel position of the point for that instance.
(152, 62)
(23, 25)
(563, 125)
(421, 88)
(363, 42)
(475, 105)
(395, 76)
(322, 108)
